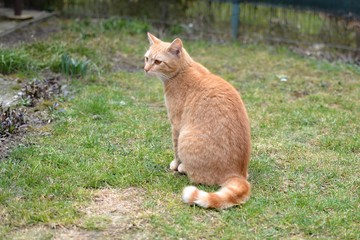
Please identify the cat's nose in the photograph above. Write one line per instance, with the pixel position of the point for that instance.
(146, 69)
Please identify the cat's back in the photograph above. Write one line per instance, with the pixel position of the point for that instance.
(211, 82)
(213, 103)
(213, 90)
(214, 111)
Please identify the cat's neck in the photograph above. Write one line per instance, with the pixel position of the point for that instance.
(183, 66)
(188, 69)
(188, 79)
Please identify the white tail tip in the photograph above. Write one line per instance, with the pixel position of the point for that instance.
(188, 193)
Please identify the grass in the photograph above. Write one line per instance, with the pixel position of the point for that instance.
(114, 134)
(11, 62)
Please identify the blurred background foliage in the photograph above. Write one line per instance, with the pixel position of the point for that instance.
(315, 23)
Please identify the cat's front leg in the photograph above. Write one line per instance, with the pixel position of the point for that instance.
(174, 165)
(176, 162)
(181, 168)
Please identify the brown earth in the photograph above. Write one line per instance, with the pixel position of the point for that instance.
(34, 32)
(113, 214)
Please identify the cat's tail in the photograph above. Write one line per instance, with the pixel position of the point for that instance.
(235, 191)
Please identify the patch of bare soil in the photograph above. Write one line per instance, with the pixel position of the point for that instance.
(321, 52)
(113, 214)
(122, 213)
(34, 32)
(122, 62)
(8, 89)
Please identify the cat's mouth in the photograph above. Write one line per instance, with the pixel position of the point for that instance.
(159, 75)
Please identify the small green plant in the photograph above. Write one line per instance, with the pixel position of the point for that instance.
(11, 61)
(26, 101)
(73, 67)
(54, 111)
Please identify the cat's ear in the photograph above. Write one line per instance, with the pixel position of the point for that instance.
(153, 39)
(176, 47)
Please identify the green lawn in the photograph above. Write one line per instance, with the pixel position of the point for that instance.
(113, 135)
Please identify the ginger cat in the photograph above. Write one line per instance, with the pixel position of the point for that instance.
(210, 126)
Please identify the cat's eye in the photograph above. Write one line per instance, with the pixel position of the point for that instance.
(146, 59)
(157, 62)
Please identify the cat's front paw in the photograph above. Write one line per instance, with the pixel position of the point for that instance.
(181, 168)
(174, 165)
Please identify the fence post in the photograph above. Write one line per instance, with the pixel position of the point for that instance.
(18, 14)
(17, 7)
(235, 19)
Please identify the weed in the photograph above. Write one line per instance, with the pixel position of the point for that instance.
(40, 90)
(11, 61)
(54, 111)
(11, 120)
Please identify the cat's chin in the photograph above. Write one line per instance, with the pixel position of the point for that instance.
(150, 74)
(157, 75)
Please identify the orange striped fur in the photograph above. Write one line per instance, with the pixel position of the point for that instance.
(234, 192)
(210, 126)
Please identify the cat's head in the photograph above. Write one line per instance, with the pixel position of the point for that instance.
(163, 59)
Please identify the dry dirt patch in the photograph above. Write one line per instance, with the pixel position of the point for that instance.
(112, 214)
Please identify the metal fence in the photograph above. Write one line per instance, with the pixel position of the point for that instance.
(332, 22)
(337, 7)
